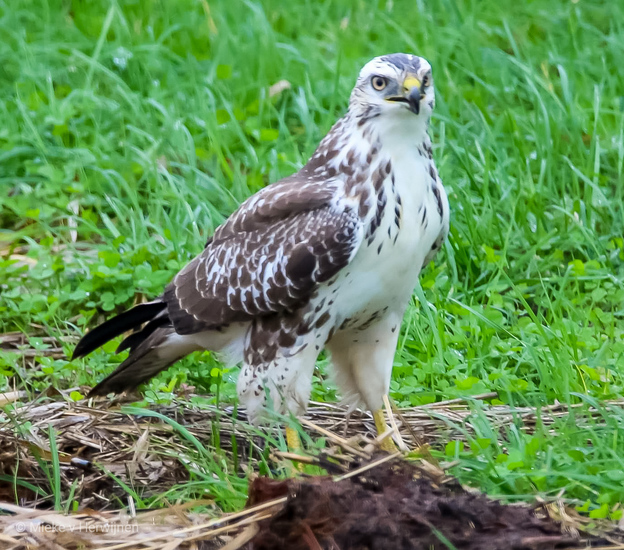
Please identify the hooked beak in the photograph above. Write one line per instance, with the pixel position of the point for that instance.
(412, 94)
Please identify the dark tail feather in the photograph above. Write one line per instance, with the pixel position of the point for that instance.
(134, 339)
(154, 353)
(133, 318)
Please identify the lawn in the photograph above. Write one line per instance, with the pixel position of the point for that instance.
(130, 130)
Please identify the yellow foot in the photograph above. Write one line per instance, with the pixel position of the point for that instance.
(380, 423)
(293, 440)
(294, 445)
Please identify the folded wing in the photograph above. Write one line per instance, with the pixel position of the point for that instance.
(268, 257)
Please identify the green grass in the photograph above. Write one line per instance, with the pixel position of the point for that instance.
(137, 127)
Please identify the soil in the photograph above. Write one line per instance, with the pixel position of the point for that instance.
(395, 507)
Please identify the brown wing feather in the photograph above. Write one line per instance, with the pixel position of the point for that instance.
(268, 257)
(284, 198)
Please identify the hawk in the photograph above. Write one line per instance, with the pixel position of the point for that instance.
(326, 258)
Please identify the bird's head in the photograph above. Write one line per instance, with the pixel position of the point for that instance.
(397, 86)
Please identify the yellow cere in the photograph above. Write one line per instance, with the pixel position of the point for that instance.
(410, 83)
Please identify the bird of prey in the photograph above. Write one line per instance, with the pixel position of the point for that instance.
(326, 258)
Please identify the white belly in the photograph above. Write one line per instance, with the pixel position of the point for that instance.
(383, 274)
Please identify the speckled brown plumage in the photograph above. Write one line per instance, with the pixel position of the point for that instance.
(325, 258)
(263, 264)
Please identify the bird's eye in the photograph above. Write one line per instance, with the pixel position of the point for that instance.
(379, 82)
(426, 80)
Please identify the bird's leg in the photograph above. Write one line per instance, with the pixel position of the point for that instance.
(380, 423)
(363, 360)
(293, 440)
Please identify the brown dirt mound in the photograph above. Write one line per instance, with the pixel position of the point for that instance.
(393, 507)
(386, 504)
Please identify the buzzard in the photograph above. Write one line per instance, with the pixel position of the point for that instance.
(325, 258)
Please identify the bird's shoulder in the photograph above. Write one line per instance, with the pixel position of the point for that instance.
(321, 182)
(268, 257)
(278, 202)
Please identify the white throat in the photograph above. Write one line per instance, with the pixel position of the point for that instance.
(400, 131)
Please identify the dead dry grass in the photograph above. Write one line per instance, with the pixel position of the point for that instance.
(103, 446)
(95, 440)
